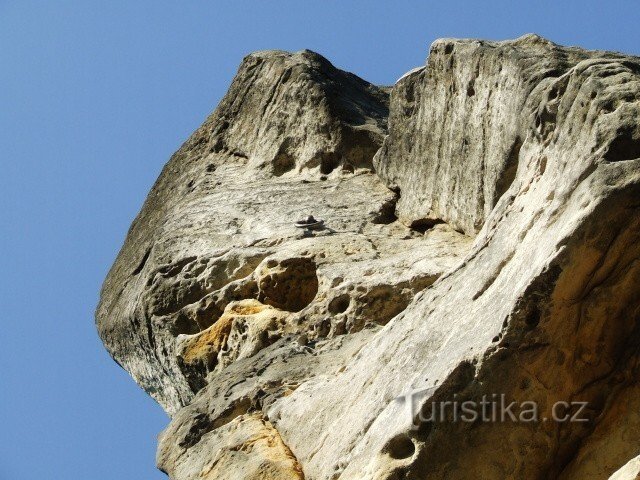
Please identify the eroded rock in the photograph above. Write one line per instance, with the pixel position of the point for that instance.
(495, 251)
(218, 227)
(247, 447)
(544, 308)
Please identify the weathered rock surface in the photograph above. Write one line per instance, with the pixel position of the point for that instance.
(631, 471)
(501, 258)
(247, 447)
(457, 125)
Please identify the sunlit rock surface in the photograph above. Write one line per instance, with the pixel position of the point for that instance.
(480, 237)
(630, 471)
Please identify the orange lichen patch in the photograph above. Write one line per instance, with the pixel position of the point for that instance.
(246, 307)
(206, 344)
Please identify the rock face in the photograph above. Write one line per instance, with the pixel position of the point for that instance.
(227, 201)
(631, 471)
(482, 244)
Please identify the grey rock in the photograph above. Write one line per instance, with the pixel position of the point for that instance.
(456, 126)
(246, 387)
(495, 251)
(539, 310)
(218, 227)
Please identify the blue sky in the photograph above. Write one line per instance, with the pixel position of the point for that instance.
(94, 98)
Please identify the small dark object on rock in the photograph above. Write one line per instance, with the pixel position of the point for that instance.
(309, 222)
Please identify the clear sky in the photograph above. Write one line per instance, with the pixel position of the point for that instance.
(94, 98)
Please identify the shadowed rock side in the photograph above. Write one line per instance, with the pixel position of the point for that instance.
(501, 257)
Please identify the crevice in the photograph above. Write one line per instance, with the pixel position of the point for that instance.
(387, 212)
(509, 171)
(626, 146)
(494, 276)
(421, 225)
(142, 263)
(203, 424)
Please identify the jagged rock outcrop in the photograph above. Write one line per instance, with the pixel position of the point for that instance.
(494, 251)
(218, 227)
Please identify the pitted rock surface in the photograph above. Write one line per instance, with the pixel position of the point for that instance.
(484, 242)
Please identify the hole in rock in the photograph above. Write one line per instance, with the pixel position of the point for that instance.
(387, 213)
(400, 447)
(240, 155)
(183, 324)
(329, 161)
(339, 304)
(283, 163)
(289, 285)
(626, 146)
(423, 224)
(470, 90)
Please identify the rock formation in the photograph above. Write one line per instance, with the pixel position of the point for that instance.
(480, 239)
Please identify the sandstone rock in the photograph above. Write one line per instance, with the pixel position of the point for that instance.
(287, 112)
(511, 268)
(615, 438)
(247, 447)
(631, 471)
(241, 331)
(544, 307)
(248, 386)
(456, 126)
(218, 227)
